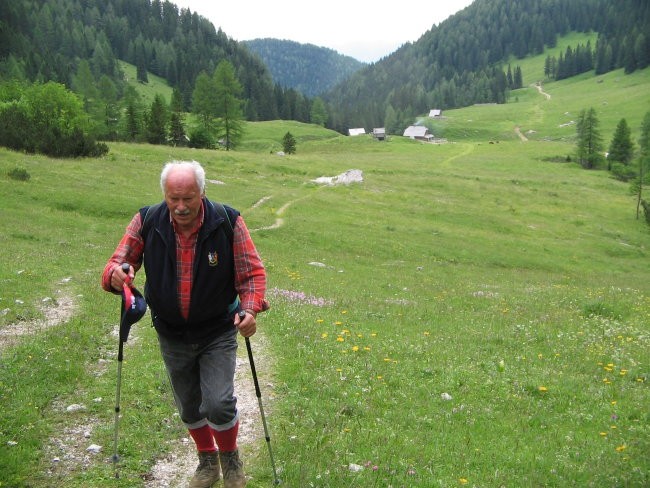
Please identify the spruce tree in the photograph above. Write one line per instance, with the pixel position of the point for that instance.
(157, 121)
(621, 148)
(176, 129)
(289, 143)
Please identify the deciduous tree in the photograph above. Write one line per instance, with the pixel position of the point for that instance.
(229, 105)
(590, 144)
(644, 164)
(318, 114)
(204, 101)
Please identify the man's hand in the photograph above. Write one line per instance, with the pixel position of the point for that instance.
(245, 323)
(119, 276)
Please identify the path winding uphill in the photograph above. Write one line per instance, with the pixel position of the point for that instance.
(69, 450)
(520, 135)
(175, 469)
(538, 87)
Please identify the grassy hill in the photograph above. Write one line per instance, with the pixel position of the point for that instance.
(471, 314)
(613, 95)
(147, 91)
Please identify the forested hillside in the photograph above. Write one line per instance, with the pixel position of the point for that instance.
(47, 40)
(466, 59)
(310, 69)
(462, 61)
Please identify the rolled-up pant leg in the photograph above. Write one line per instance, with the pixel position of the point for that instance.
(202, 380)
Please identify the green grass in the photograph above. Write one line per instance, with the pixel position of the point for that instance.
(155, 85)
(481, 318)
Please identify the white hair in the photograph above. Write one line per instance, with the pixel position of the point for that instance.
(199, 172)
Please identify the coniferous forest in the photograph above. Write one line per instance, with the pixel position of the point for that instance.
(310, 69)
(469, 58)
(461, 61)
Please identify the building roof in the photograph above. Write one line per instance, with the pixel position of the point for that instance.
(416, 131)
(356, 132)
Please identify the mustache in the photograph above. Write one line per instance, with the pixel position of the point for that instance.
(182, 212)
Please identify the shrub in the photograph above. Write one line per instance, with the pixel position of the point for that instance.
(48, 119)
(18, 174)
(623, 172)
(201, 138)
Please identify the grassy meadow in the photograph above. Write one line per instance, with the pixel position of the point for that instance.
(473, 313)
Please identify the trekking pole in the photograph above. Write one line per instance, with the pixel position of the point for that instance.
(120, 357)
(258, 393)
(132, 309)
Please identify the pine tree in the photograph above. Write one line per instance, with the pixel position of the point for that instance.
(589, 140)
(621, 149)
(289, 144)
(157, 121)
(177, 135)
(547, 67)
(229, 106)
(519, 78)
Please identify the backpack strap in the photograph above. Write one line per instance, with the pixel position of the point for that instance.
(221, 211)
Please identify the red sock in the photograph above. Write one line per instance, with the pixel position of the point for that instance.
(227, 439)
(203, 438)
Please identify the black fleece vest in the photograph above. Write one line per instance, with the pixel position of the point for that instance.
(213, 289)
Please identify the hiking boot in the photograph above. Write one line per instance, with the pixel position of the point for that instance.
(233, 470)
(207, 472)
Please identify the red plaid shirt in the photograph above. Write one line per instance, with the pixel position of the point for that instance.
(250, 277)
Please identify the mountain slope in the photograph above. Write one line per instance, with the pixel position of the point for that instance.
(309, 69)
(459, 62)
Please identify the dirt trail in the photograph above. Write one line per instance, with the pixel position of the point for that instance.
(520, 135)
(69, 450)
(55, 311)
(175, 469)
(539, 88)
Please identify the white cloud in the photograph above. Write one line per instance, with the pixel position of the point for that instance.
(364, 30)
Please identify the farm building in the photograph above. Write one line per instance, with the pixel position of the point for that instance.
(436, 112)
(418, 132)
(356, 132)
(379, 133)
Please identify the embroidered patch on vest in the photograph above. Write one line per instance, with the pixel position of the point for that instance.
(213, 258)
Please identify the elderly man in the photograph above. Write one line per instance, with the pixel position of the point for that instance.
(202, 268)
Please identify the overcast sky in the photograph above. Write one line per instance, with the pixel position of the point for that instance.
(364, 29)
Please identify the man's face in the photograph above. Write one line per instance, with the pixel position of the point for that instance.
(183, 198)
